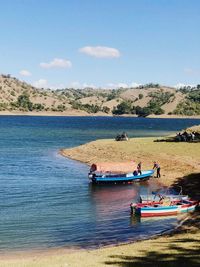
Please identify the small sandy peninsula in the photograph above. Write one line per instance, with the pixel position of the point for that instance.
(181, 248)
(177, 159)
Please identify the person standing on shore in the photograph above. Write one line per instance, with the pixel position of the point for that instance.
(139, 168)
(157, 167)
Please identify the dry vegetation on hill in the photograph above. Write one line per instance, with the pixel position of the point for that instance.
(19, 97)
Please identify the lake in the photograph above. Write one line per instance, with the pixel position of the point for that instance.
(46, 200)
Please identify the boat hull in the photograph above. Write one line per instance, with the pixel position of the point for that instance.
(164, 211)
(121, 178)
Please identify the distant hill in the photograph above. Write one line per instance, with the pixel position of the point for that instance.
(19, 97)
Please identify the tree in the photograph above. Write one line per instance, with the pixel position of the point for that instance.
(142, 112)
(124, 107)
(24, 102)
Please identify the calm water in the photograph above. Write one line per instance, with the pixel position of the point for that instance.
(45, 199)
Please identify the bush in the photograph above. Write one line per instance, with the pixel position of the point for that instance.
(149, 85)
(160, 97)
(125, 107)
(140, 96)
(142, 112)
(187, 108)
(191, 105)
(24, 102)
(105, 109)
(38, 107)
(194, 95)
(114, 94)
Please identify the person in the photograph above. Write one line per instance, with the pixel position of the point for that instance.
(139, 168)
(157, 167)
(124, 136)
(193, 136)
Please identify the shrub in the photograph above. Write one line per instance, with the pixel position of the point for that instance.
(142, 112)
(24, 102)
(124, 107)
(105, 109)
(140, 96)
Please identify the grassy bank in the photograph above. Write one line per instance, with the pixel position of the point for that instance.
(177, 159)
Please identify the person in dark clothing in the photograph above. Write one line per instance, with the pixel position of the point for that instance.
(157, 167)
(139, 168)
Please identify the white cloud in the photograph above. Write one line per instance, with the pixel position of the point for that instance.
(41, 83)
(78, 85)
(180, 85)
(56, 63)
(100, 51)
(116, 85)
(122, 85)
(134, 85)
(25, 73)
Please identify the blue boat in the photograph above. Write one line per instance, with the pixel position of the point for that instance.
(109, 177)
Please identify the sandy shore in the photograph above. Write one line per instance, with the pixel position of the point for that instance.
(176, 159)
(180, 249)
(176, 250)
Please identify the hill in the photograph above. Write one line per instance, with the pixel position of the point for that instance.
(18, 97)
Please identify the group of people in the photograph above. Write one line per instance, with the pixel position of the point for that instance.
(156, 167)
(122, 137)
(186, 137)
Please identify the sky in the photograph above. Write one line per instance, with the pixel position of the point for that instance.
(100, 43)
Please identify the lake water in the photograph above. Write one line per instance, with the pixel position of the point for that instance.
(46, 200)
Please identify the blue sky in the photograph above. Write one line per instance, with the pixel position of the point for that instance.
(103, 43)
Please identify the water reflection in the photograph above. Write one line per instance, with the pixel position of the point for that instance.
(112, 198)
(134, 219)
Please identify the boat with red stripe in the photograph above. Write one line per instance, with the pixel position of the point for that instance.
(162, 208)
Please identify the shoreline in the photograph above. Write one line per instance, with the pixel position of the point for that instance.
(72, 249)
(84, 114)
(102, 256)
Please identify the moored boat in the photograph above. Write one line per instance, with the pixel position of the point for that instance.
(163, 208)
(117, 172)
(119, 177)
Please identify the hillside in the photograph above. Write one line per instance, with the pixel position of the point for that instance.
(17, 97)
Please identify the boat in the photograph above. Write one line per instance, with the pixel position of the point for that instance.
(164, 193)
(164, 207)
(117, 173)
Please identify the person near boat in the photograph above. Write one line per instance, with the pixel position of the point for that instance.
(139, 168)
(117, 172)
(157, 167)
